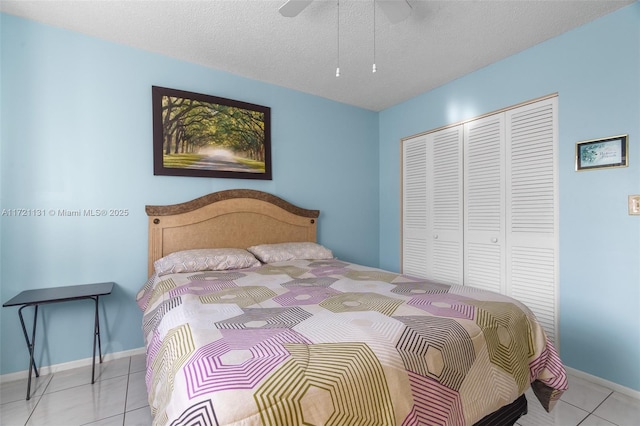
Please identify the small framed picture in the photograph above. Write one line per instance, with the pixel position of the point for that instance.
(604, 153)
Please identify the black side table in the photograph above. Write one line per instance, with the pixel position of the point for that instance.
(43, 296)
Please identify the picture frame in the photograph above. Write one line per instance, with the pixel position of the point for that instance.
(208, 136)
(606, 153)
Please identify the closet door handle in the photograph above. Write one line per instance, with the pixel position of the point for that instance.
(494, 240)
(435, 236)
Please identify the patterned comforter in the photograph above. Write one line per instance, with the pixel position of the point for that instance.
(329, 342)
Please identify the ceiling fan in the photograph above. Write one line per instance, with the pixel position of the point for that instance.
(395, 10)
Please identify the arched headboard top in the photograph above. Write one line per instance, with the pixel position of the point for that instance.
(228, 195)
(237, 218)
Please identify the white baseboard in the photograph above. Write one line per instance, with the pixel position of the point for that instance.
(49, 369)
(602, 382)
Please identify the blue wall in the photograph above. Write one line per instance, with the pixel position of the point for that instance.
(76, 134)
(595, 69)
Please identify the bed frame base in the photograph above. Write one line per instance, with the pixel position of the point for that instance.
(507, 415)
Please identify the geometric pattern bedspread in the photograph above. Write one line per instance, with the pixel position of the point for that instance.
(333, 343)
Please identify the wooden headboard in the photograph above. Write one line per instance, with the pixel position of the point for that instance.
(237, 218)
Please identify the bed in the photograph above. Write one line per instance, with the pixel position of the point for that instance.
(249, 321)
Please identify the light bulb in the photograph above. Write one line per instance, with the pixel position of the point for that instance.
(338, 72)
(374, 69)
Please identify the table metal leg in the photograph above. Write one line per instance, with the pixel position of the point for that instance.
(30, 345)
(96, 335)
(98, 332)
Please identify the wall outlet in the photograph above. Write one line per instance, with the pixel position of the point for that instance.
(634, 205)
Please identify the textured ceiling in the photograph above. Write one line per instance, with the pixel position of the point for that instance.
(439, 42)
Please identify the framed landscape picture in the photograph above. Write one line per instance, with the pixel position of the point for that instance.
(207, 136)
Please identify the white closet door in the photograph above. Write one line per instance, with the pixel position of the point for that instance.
(414, 206)
(484, 203)
(444, 201)
(532, 213)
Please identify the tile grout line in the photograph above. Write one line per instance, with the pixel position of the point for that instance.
(591, 413)
(39, 399)
(126, 394)
(585, 409)
(602, 402)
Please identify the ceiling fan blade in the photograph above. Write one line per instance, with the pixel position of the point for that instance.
(293, 7)
(395, 10)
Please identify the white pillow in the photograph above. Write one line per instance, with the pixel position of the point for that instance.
(269, 253)
(219, 259)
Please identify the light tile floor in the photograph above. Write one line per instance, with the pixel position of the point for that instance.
(67, 398)
(119, 397)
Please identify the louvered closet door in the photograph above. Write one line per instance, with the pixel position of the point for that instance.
(444, 202)
(532, 214)
(414, 206)
(484, 201)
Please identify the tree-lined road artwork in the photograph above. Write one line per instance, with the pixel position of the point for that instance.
(200, 135)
